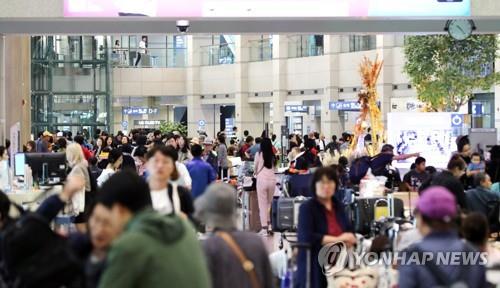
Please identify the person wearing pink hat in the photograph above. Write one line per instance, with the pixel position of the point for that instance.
(436, 213)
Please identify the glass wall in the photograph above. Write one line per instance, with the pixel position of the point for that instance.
(70, 83)
(154, 50)
(305, 46)
(262, 49)
(220, 51)
(482, 109)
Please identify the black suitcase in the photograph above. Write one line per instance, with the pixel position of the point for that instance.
(285, 213)
(362, 213)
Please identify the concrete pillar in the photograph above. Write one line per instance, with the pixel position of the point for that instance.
(385, 45)
(248, 116)
(280, 56)
(15, 86)
(194, 107)
(330, 121)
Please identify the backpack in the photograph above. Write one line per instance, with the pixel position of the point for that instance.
(35, 256)
(359, 168)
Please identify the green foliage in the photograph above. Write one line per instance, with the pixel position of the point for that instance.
(445, 72)
(169, 127)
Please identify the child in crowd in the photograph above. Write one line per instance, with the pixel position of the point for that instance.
(476, 165)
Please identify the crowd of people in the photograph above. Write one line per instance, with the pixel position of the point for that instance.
(141, 201)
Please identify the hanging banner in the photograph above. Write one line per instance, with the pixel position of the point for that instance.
(15, 135)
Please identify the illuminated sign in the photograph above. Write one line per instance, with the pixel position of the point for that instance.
(297, 108)
(345, 106)
(267, 8)
(147, 122)
(139, 111)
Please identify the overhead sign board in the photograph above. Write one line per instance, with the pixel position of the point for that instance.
(139, 111)
(297, 108)
(345, 106)
(229, 127)
(267, 8)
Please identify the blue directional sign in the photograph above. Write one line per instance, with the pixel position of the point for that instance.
(477, 109)
(457, 120)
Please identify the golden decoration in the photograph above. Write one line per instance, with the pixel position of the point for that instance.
(368, 98)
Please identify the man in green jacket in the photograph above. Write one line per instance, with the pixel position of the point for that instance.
(153, 250)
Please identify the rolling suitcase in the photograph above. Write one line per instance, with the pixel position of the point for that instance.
(251, 219)
(285, 213)
(363, 213)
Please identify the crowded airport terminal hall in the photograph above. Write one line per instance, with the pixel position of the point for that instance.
(249, 143)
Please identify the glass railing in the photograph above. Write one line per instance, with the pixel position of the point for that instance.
(360, 43)
(153, 58)
(216, 55)
(305, 46)
(261, 50)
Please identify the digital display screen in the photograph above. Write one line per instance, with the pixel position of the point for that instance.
(266, 8)
(19, 162)
(430, 134)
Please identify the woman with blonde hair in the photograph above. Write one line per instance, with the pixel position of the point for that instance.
(82, 201)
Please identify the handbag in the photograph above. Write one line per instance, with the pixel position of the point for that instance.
(250, 182)
(247, 265)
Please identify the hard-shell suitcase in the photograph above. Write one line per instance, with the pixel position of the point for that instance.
(363, 213)
(285, 213)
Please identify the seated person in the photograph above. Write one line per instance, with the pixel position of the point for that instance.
(475, 229)
(481, 199)
(416, 176)
(450, 179)
(476, 165)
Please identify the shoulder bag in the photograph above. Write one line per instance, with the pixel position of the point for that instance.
(247, 265)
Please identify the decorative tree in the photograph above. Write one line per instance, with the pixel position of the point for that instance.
(170, 127)
(445, 72)
(368, 99)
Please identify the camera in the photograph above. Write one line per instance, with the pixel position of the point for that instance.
(182, 26)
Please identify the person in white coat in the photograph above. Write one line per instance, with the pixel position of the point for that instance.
(4, 169)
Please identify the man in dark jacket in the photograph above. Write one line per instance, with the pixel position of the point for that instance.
(153, 250)
(481, 199)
